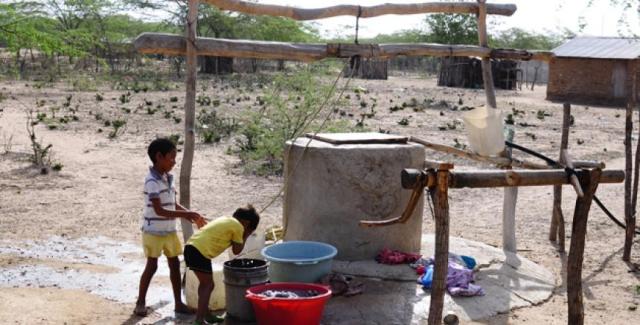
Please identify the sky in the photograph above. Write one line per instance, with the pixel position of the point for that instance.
(542, 16)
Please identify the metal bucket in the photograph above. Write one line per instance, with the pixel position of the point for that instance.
(240, 275)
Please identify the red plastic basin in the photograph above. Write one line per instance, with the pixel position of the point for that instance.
(286, 311)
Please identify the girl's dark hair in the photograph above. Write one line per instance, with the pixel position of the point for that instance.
(248, 213)
(161, 145)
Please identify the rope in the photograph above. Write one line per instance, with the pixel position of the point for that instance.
(569, 171)
(322, 106)
(358, 22)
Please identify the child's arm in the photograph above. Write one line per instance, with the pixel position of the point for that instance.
(200, 222)
(237, 248)
(162, 212)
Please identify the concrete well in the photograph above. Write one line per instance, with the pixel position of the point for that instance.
(332, 186)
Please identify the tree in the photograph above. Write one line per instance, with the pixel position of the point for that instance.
(452, 29)
(520, 39)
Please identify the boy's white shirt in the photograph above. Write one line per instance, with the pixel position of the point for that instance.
(162, 187)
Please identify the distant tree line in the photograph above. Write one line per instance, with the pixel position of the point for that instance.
(102, 29)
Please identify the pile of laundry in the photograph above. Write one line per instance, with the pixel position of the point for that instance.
(460, 275)
(289, 294)
(387, 256)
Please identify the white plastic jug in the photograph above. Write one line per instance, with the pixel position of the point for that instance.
(252, 248)
(484, 130)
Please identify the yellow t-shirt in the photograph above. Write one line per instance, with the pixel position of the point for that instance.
(217, 236)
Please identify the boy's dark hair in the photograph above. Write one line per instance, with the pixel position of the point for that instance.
(161, 145)
(249, 214)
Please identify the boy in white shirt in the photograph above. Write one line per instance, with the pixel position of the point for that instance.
(159, 233)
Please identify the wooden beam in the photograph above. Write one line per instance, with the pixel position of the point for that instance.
(362, 11)
(439, 195)
(189, 116)
(500, 161)
(509, 178)
(576, 251)
(175, 45)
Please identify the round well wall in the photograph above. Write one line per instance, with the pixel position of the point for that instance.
(334, 186)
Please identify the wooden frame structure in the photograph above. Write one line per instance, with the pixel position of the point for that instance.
(439, 178)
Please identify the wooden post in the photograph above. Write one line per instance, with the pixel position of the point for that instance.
(189, 116)
(589, 180)
(509, 242)
(636, 169)
(629, 202)
(439, 194)
(557, 218)
(510, 193)
(487, 76)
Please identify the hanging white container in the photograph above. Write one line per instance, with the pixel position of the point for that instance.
(484, 130)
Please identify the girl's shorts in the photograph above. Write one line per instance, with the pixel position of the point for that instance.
(196, 261)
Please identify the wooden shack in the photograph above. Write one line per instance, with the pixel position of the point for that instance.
(466, 72)
(368, 68)
(592, 70)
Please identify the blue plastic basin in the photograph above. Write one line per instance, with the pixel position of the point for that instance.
(299, 261)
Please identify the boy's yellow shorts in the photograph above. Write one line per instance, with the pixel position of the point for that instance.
(155, 245)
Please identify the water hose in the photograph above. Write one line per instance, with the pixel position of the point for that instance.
(554, 163)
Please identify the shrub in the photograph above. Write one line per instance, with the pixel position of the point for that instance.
(41, 154)
(118, 126)
(289, 112)
(213, 128)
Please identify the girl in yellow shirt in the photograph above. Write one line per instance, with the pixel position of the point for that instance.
(213, 239)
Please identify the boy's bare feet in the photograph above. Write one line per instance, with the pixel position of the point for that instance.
(141, 310)
(184, 309)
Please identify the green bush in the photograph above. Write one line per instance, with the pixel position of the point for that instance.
(213, 128)
(290, 111)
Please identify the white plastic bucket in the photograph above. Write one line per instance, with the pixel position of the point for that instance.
(484, 130)
(252, 248)
(218, 296)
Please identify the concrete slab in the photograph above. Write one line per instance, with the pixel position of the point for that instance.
(510, 281)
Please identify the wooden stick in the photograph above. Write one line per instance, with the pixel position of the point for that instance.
(557, 217)
(169, 44)
(508, 178)
(589, 164)
(189, 117)
(487, 75)
(500, 161)
(362, 11)
(439, 194)
(629, 209)
(566, 159)
(576, 252)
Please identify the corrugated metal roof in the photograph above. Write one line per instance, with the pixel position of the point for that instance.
(600, 48)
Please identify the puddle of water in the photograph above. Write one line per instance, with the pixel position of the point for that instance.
(120, 286)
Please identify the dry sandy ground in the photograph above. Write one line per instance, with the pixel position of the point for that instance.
(98, 193)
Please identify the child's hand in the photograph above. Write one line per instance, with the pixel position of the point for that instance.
(200, 222)
(193, 217)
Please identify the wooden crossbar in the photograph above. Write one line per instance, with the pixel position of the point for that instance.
(360, 11)
(169, 44)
